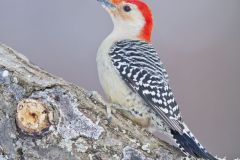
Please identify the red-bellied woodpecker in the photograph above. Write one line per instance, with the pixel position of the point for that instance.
(132, 75)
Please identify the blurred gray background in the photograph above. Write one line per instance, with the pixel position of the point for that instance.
(198, 40)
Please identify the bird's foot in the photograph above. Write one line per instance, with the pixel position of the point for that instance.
(95, 96)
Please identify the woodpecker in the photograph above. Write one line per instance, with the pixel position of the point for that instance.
(132, 75)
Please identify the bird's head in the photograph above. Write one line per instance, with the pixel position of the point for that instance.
(132, 18)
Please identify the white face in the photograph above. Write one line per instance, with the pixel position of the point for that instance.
(128, 20)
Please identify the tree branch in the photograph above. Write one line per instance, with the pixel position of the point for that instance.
(45, 117)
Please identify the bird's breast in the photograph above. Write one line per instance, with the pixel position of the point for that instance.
(111, 81)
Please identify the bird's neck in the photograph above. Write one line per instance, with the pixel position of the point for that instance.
(130, 33)
(122, 33)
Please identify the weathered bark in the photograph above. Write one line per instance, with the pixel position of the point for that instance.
(76, 127)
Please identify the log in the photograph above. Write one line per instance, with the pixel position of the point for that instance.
(44, 117)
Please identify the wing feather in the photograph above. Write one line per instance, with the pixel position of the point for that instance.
(141, 68)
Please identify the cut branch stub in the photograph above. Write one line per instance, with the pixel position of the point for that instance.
(33, 117)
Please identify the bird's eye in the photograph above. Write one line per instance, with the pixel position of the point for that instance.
(127, 8)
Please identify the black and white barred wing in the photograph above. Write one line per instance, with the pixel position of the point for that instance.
(140, 67)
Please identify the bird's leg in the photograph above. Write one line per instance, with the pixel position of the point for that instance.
(96, 96)
(109, 107)
(113, 108)
(125, 111)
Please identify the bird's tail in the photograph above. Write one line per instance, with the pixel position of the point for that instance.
(190, 145)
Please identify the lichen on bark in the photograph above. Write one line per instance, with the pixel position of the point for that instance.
(77, 130)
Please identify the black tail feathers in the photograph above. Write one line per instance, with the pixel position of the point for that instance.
(190, 146)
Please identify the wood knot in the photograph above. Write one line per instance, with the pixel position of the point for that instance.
(33, 117)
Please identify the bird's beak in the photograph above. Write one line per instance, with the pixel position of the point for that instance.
(107, 4)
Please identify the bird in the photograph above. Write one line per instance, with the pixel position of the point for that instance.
(133, 76)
